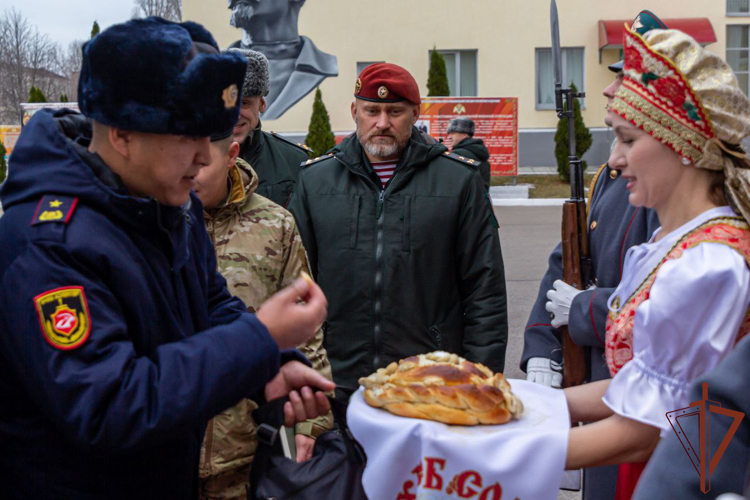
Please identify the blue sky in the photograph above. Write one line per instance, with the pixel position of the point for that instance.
(68, 20)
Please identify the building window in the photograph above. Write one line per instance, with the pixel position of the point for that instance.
(362, 65)
(738, 7)
(573, 70)
(461, 68)
(738, 53)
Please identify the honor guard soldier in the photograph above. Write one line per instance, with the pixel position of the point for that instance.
(402, 238)
(118, 338)
(275, 159)
(613, 226)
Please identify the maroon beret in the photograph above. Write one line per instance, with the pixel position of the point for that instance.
(385, 82)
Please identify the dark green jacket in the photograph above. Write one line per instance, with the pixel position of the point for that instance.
(410, 269)
(475, 149)
(276, 161)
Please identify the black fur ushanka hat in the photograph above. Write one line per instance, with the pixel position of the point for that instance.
(157, 76)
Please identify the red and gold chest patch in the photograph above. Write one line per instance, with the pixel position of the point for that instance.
(64, 317)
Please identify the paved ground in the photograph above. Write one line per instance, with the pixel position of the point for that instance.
(549, 170)
(527, 236)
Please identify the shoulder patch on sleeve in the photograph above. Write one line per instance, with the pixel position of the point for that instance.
(298, 145)
(53, 208)
(64, 317)
(462, 159)
(313, 161)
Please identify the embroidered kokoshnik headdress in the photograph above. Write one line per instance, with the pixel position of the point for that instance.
(689, 99)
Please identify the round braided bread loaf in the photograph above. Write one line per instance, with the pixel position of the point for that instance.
(443, 387)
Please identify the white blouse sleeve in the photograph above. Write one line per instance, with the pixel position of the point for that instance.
(688, 324)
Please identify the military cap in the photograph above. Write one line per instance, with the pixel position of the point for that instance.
(643, 23)
(257, 80)
(385, 82)
(461, 126)
(156, 76)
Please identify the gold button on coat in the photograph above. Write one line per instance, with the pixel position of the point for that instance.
(593, 225)
(614, 174)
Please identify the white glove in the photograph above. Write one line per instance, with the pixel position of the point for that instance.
(545, 372)
(560, 297)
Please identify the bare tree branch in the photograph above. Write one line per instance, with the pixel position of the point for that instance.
(27, 58)
(168, 9)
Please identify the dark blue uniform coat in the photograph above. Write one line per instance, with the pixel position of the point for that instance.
(614, 226)
(123, 414)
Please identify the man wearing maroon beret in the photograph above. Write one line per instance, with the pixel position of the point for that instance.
(402, 238)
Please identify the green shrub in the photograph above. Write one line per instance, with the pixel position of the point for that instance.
(437, 78)
(319, 134)
(583, 140)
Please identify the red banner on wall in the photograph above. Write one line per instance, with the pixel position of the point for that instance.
(495, 120)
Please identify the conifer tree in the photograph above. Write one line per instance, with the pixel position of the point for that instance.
(583, 140)
(437, 78)
(35, 95)
(319, 135)
(94, 29)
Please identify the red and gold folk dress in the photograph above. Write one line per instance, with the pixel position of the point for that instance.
(681, 307)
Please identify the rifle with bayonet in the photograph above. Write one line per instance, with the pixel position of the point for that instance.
(576, 259)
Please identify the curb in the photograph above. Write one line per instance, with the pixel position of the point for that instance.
(528, 202)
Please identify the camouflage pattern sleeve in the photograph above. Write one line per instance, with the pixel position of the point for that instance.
(296, 262)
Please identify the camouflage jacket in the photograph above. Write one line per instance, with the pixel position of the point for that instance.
(259, 251)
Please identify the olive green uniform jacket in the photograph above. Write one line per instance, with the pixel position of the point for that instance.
(259, 252)
(408, 269)
(277, 161)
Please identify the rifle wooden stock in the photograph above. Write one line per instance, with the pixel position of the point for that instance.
(575, 248)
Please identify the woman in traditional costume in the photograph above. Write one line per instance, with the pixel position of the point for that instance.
(683, 301)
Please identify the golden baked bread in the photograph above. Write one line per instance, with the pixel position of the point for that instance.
(443, 387)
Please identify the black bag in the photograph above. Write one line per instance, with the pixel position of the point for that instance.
(334, 471)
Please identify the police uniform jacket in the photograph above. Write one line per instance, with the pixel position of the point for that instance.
(277, 161)
(614, 225)
(408, 269)
(118, 338)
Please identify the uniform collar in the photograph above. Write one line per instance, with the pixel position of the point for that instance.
(253, 144)
(243, 181)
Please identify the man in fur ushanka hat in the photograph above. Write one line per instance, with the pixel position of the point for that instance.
(118, 337)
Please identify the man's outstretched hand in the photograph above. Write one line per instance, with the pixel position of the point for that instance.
(298, 381)
(294, 314)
